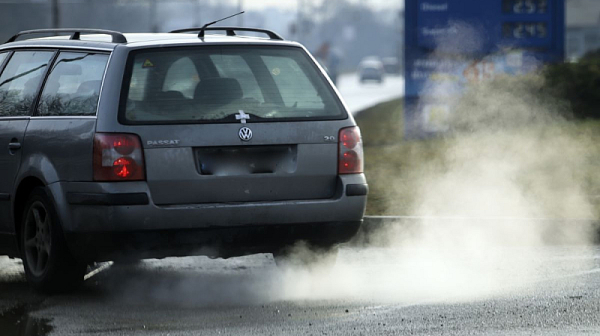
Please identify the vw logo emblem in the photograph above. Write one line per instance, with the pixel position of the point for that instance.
(245, 134)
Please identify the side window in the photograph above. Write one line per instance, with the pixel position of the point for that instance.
(182, 76)
(234, 66)
(73, 86)
(20, 81)
(2, 57)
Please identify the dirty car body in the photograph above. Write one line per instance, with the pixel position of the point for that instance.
(171, 145)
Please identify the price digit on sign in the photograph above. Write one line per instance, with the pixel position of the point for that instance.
(471, 73)
(542, 30)
(529, 7)
(519, 6)
(530, 29)
(479, 71)
(542, 6)
(526, 6)
(519, 31)
(489, 69)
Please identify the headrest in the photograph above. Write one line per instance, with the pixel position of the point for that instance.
(218, 91)
(89, 87)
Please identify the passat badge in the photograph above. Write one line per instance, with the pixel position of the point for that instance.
(245, 134)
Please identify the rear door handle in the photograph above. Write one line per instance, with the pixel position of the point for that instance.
(14, 145)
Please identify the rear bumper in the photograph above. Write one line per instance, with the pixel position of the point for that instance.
(221, 242)
(371, 77)
(89, 209)
(127, 207)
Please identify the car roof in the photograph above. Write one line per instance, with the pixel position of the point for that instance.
(137, 40)
(370, 63)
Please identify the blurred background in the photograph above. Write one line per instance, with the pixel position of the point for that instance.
(343, 28)
(350, 29)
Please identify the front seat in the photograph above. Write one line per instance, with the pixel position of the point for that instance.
(217, 91)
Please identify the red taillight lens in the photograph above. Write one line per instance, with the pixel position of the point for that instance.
(124, 145)
(124, 167)
(350, 151)
(118, 157)
(348, 161)
(348, 139)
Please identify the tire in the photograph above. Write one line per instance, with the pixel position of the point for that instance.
(49, 266)
(306, 257)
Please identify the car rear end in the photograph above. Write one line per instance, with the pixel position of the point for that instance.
(224, 148)
(371, 68)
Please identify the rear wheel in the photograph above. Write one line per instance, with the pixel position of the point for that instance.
(49, 266)
(307, 257)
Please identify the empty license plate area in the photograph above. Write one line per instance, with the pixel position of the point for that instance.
(247, 160)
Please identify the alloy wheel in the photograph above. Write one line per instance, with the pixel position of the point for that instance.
(38, 238)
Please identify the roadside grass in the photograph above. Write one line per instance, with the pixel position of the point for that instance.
(391, 161)
(394, 166)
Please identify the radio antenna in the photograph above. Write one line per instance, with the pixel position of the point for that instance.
(201, 33)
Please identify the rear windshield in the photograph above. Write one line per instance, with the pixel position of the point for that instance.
(224, 83)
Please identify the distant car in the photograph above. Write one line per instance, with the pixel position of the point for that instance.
(122, 146)
(371, 69)
(391, 65)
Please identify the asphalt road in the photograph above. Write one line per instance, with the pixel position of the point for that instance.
(552, 290)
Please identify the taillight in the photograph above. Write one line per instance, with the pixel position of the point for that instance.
(351, 151)
(118, 157)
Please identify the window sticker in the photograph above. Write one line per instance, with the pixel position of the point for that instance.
(148, 64)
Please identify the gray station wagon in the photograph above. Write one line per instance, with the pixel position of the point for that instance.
(128, 146)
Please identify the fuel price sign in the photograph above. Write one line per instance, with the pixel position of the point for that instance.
(454, 43)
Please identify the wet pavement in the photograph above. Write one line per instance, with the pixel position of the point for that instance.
(544, 291)
(17, 321)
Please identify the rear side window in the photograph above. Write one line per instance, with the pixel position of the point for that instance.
(20, 80)
(2, 58)
(213, 84)
(73, 86)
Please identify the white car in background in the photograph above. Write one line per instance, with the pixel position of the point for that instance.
(371, 69)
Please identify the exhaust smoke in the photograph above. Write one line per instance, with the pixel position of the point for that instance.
(507, 182)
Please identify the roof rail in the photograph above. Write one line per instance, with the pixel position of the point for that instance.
(230, 31)
(117, 37)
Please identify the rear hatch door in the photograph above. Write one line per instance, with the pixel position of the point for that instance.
(233, 123)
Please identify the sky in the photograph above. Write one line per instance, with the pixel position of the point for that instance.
(293, 4)
(263, 4)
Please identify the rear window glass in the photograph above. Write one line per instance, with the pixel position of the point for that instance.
(213, 84)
